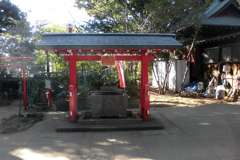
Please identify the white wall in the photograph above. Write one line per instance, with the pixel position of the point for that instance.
(181, 68)
(176, 75)
(162, 66)
(172, 78)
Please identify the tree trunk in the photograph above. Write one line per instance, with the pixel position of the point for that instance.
(169, 66)
(192, 46)
(186, 71)
(157, 78)
(20, 109)
(162, 86)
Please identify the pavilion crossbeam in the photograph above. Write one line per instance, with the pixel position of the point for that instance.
(107, 51)
(118, 58)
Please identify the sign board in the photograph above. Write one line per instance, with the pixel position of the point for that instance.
(108, 60)
(226, 68)
(37, 69)
(47, 84)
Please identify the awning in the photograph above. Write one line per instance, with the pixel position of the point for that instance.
(108, 41)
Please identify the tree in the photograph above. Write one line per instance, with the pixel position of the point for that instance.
(144, 16)
(16, 36)
(160, 79)
(58, 64)
(195, 18)
(9, 14)
(112, 16)
(171, 16)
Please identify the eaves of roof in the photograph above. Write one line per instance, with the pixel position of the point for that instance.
(109, 41)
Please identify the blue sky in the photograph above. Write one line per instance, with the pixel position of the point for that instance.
(55, 11)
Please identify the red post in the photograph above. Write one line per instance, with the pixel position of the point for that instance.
(140, 101)
(72, 112)
(24, 87)
(144, 79)
(70, 29)
(24, 74)
(147, 102)
(49, 100)
(73, 85)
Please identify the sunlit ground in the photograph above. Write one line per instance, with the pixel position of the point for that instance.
(171, 99)
(28, 154)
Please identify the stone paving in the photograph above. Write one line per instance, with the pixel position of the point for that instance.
(206, 132)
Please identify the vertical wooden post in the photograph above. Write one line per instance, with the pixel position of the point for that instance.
(73, 85)
(46, 52)
(144, 79)
(24, 85)
(72, 112)
(49, 100)
(140, 100)
(147, 102)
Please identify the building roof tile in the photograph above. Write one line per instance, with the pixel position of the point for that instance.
(108, 41)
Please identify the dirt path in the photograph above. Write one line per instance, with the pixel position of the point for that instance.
(172, 99)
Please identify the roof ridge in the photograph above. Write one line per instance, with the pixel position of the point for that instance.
(109, 34)
(216, 6)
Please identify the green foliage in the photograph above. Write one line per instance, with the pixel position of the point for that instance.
(112, 16)
(41, 57)
(58, 63)
(16, 36)
(9, 15)
(130, 79)
(59, 87)
(144, 16)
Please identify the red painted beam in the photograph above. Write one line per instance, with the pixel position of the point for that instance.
(128, 58)
(88, 58)
(118, 58)
(150, 58)
(100, 50)
(113, 51)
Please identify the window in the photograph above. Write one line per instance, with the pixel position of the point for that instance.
(226, 54)
(210, 55)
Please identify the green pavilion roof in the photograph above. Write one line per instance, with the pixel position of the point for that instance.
(108, 41)
(219, 13)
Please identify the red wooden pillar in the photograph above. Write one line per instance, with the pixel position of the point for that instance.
(49, 100)
(24, 86)
(147, 102)
(73, 85)
(144, 81)
(140, 101)
(72, 113)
